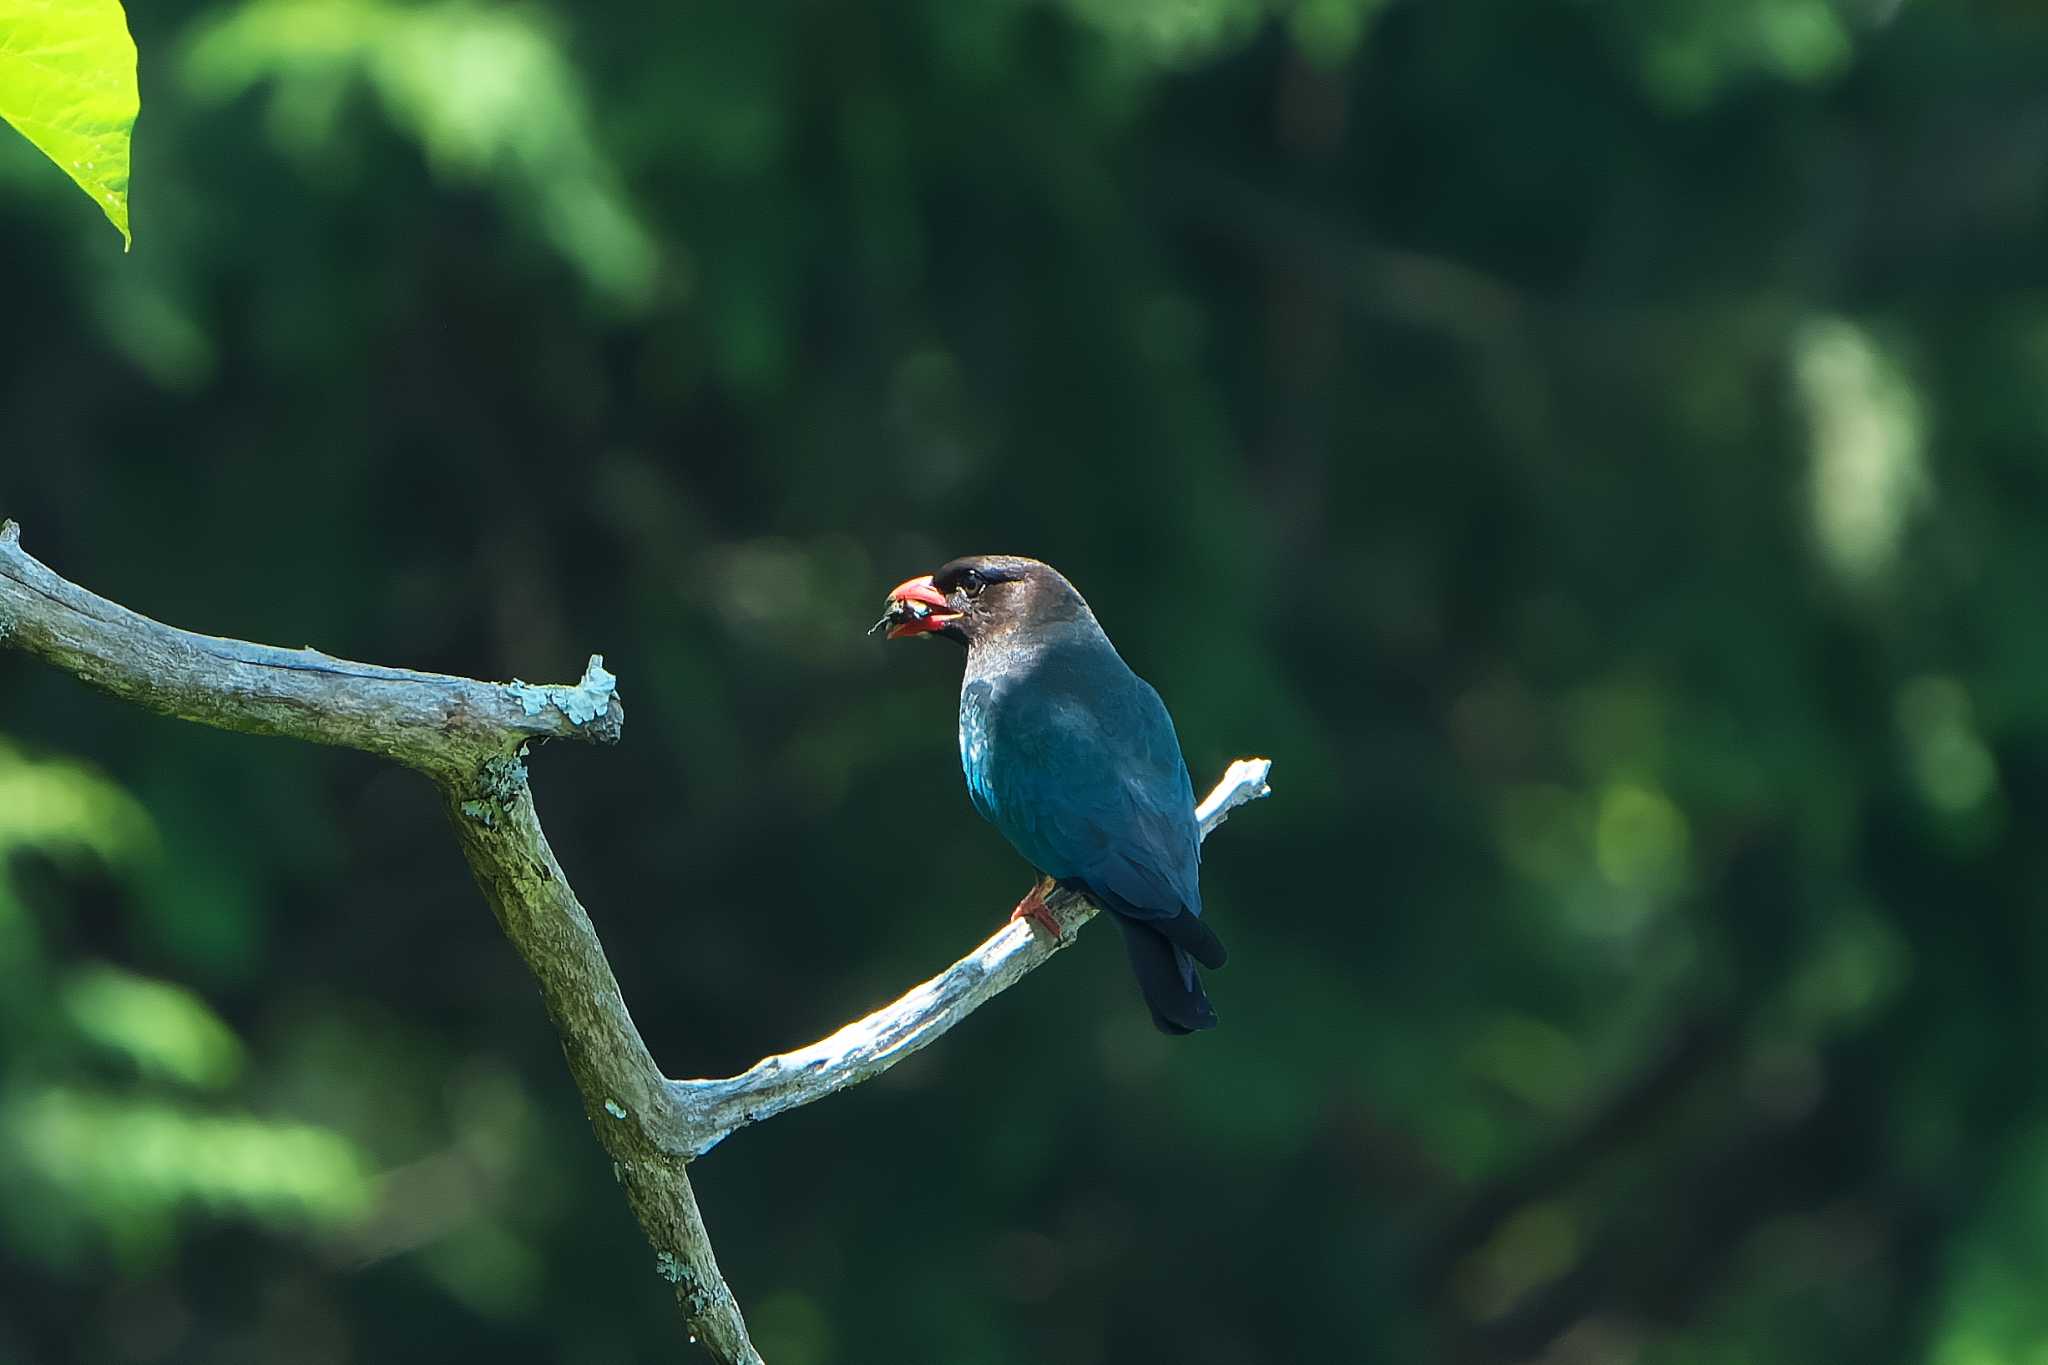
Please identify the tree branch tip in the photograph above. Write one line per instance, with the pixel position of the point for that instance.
(1252, 772)
(1243, 781)
(591, 706)
(10, 532)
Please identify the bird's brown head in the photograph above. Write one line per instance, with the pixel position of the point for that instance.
(976, 597)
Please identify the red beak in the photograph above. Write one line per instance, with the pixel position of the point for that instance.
(917, 608)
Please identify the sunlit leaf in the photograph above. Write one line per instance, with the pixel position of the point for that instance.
(67, 82)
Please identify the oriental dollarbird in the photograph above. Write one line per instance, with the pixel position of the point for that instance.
(1073, 757)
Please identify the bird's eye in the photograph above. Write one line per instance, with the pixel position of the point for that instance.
(971, 583)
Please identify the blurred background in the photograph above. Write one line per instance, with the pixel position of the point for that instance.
(1595, 447)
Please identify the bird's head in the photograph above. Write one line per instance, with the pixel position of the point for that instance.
(977, 596)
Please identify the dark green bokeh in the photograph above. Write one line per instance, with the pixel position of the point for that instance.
(1596, 449)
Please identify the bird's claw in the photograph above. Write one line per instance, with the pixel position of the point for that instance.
(1034, 909)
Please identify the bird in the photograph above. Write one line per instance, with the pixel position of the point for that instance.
(1073, 757)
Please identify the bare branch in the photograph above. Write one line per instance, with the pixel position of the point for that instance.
(469, 737)
(710, 1111)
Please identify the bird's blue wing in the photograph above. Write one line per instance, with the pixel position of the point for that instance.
(1092, 790)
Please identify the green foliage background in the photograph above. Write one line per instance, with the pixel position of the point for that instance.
(1594, 446)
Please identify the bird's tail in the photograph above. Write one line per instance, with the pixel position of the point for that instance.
(1167, 977)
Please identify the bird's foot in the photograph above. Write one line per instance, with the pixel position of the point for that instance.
(1034, 908)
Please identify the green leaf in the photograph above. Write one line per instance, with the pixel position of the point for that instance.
(67, 81)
